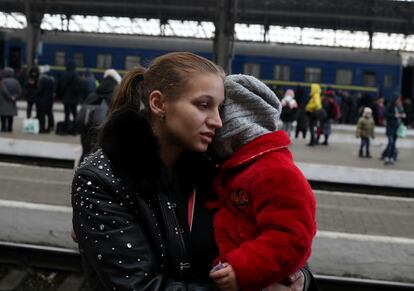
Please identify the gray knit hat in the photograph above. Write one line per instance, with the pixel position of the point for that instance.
(250, 110)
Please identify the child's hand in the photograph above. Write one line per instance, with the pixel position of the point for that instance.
(225, 278)
(296, 281)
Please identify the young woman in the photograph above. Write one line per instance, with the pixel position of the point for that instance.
(136, 227)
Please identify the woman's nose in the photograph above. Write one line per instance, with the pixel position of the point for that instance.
(215, 120)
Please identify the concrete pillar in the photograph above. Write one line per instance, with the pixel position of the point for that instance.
(34, 17)
(224, 34)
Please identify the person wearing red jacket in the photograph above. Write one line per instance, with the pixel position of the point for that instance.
(266, 221)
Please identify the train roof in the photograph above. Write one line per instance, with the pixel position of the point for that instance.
(206, 46)
(318, 53)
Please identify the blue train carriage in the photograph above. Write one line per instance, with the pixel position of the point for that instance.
(97, 51)
(291, 66)
(278, 65)
(102, 51)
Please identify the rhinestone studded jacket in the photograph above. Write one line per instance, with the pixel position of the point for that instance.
(127, 229)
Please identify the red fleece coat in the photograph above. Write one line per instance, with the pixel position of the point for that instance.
(266, 222)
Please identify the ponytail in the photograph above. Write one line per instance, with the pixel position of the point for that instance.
(130, 92)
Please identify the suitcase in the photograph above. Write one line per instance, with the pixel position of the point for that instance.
(62, 129)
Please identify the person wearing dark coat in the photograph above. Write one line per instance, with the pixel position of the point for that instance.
(30, 90)
(44, 102)
(10, 89)
(104, 93)
(394, 113)
(70, 90)
(138, 236)
(89, 83)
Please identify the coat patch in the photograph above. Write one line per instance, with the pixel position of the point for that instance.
(239, 198)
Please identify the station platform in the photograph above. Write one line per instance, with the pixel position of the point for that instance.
(336, 163)
(359, 235)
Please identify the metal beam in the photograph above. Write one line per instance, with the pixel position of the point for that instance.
(224, 35)
(382, 15)
(34, 17)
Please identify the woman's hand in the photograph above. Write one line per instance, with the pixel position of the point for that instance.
(225, 278)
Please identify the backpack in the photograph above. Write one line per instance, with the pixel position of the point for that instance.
(335, 110)
(92, 113)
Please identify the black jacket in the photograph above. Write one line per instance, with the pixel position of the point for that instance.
(45, 94)
(124, 214)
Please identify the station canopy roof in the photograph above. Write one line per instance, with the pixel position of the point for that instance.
(386, 21)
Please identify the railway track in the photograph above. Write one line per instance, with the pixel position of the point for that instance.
(26, 267)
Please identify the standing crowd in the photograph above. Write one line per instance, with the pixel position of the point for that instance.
(317, 112)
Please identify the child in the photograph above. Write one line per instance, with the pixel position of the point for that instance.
(289, 110)
(365, 131)
(266, 222)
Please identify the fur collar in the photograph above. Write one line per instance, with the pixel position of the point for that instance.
(128, 141)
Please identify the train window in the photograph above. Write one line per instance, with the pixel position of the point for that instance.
(132, 61)
(388, 81)
(313, 75)
(252, 69)
(59, 59)
(281, 73)
(78, 59)
(343, 77)
(369, 79)
(104, 61)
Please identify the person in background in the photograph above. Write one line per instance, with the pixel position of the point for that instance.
(302, 122)
(104, 92)
(289, 110)
(45, 99)
(22, 76)
(89, 83)
(314, 110)
(394, 113)
(10, 89)
(365, 130)
(30, 90)
(379, 111)
(69, 90)
(267, 215)
(333, 113)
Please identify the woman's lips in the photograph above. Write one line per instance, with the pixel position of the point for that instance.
(207, 136)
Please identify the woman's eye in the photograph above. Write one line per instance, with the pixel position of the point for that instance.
(203, 105)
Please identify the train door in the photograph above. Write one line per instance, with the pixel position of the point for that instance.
(15, 58)
(2, 56)
(408, 81)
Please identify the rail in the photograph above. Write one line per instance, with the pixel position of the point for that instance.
(23, 257)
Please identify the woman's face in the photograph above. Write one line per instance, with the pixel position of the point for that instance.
(192, 117)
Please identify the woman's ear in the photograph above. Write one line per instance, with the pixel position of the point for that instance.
(156, 102)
